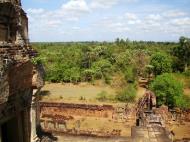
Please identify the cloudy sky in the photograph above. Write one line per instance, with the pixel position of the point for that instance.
(105, 20)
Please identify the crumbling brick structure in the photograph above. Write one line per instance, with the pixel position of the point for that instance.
(20, 80)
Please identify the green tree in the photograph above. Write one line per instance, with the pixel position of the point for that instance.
(167, 89)
(130, 74)
(102, 68)
(88, 56)
(141, 60)
(161, 63)
(88, 75)
(128, 94)
(183, 52)
(124, 59)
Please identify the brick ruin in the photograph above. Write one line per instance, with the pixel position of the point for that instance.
(20, 80)
(58, 117)
(147, 122)
(54, 117)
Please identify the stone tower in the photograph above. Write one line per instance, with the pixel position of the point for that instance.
(20, 80)
(13, 23)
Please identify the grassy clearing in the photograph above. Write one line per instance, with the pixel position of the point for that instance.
(82, 92)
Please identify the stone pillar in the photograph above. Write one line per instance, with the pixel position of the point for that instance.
(33, 116)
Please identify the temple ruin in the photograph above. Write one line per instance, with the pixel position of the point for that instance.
(22, 114)
(20, 80)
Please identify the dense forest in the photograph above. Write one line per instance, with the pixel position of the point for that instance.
(121, 63)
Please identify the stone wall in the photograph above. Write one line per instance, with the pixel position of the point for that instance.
(86, 119)
(4, 89)
(18, 99)
(20, 77)
(85, 110)
(13, 23)
(56, 116)
(16, 2)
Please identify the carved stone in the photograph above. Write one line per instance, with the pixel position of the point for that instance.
(17, 78)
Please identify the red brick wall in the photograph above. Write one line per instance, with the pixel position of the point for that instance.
(83, 110)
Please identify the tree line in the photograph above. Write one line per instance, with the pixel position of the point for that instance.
(122, 60)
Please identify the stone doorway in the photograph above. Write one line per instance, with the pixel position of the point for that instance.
(10, 131)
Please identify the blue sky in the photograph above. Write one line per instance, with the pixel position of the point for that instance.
(105, 20)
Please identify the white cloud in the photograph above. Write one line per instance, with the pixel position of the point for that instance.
(181, 21)
(61, 20)
(54, 23)
(75, 6)
(76, 28)
(79, 17)
(132, 1)
(173, 13)
(70, 11)
(154, 17)
(115, 25)
(130, 16)
(118, 27)
(108, 3)
(112, 25)
(103, 3)
(132, 22)
(152, 23)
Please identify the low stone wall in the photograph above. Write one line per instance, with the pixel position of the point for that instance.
(85, 110)
(55, 116)
(176, 114)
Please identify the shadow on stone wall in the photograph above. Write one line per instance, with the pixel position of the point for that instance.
(45, 136)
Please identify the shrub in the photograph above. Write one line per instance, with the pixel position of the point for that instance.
(107, 79)
(128, 94)
(183, 102)
(36, 60)
(187, 73)
(130, 75)
(161, 63)
(82, 98)
(168, 90)
(88, 75)
(102, 96)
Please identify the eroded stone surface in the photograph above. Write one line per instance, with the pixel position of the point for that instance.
(16, 74)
